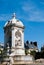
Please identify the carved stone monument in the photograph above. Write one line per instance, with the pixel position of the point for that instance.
(14, 35)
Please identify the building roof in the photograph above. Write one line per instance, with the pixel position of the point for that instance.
(14, 21)
(1, 44)
(30, 46)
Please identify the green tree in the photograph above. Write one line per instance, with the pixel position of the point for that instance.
(33, 53)
(3, 54)
(26, 51)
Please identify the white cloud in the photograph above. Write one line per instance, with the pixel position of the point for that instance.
(5, 17)
(30, 12)
(33, 12)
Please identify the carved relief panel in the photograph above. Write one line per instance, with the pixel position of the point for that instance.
(18, 38)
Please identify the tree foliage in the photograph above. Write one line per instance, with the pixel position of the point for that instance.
(33, 53)
(26, 45)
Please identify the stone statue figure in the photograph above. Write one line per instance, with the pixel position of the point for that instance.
(11, 60)
(18, 38)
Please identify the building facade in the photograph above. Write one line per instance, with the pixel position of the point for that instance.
(14, 41)
(14, 35)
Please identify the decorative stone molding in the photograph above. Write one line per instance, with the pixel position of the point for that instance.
(12, 28)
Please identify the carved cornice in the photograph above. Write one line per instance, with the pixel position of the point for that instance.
(18, 48)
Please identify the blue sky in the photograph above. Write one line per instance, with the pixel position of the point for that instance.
(30, 12)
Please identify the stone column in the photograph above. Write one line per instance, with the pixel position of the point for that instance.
(22, 39)
(13, 38)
